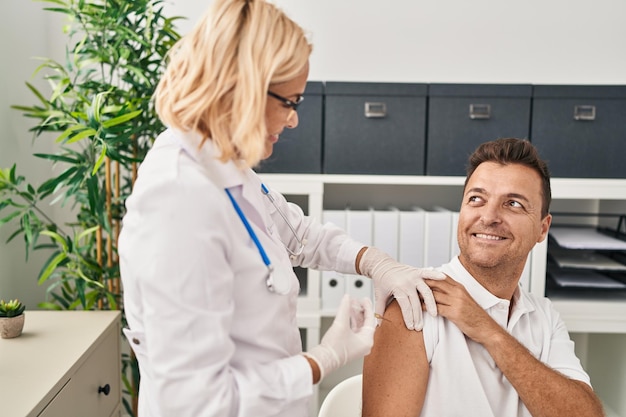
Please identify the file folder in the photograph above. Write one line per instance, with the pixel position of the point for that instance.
(454, 223)
(333, 289)
(385, 231)
(333, 283)
(437, 242)
(359, 227)
(411, 237)
(454, 240)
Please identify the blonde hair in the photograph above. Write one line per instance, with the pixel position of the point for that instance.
(218, 76)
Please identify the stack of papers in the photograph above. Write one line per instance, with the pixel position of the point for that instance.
(585, 279)
(580, 265)
(585, 259)
(585, 238)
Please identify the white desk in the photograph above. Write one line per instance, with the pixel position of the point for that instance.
(58, 364)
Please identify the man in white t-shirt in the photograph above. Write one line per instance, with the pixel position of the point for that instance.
(494, 350)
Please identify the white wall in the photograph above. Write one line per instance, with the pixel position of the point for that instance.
(23, 35)
(482, 41)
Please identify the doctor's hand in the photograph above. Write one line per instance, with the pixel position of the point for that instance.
(393, 279)
(350, 336)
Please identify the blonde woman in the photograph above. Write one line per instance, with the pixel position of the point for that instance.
(207, 250)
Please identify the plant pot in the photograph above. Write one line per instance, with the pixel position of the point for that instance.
(11, 327)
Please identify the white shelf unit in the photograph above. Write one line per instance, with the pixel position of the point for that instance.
(598, 326)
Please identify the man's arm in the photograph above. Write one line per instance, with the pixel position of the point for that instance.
(395, 373)
(546, 392)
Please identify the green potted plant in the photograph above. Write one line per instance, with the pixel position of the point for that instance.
(11, 318)
(100, 114)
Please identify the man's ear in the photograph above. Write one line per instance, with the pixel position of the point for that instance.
(545, 227)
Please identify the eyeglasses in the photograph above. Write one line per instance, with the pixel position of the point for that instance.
(289, 103)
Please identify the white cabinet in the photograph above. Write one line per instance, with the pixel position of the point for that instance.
(598, 325)
(65, 364)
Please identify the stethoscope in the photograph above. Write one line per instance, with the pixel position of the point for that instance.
(276, 280)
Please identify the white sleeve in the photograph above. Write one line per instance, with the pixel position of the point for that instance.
(562, 357)
(327, 248)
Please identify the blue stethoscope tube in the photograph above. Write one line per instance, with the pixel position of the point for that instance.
(269, 280)
(255, 239)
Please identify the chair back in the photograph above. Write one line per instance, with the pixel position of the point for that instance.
(344, 400)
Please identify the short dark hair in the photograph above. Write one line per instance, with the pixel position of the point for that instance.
(506, 151)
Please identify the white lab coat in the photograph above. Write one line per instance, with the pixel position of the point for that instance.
(210, 338)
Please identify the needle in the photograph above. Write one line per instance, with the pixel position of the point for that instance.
(378, 316)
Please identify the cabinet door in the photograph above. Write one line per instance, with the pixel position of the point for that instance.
(80, 397)
(580, 130)
(462, 116)
(374, 128)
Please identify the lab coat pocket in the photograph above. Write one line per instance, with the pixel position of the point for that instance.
(136, 340)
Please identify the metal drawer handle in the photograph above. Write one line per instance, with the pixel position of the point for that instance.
(479, 111)
(584, 112)
(104, 390)
(375, 110)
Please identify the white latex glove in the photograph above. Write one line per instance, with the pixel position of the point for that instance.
(350, 336)
(402, 282)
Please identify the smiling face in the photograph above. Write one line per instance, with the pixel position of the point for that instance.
(500, 221)
(279, 115)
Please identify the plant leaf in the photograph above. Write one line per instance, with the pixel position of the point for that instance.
(121, 119)
(86, 232)
(57, 237)
(100, 160)
(82, 135)
(46, 305)
(67, 132)
(9, 217)
(50, 266)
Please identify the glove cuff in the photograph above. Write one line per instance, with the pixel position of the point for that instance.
(319, 365)
(370, 260)
(326, 359)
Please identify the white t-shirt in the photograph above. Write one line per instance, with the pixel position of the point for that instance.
(464, 379)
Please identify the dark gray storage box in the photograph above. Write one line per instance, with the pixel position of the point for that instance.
(581, 130)
(299, 150)
(374, 128)
(462, 116)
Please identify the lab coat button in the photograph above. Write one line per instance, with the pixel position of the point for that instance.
(136, 341)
